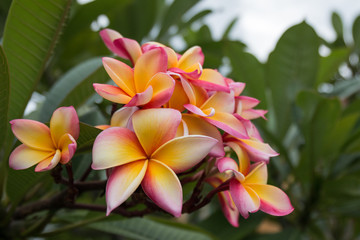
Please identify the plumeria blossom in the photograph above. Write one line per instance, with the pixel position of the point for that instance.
(245, 105)
(120, 118)
(146, 85)
(250, 191)
(150, 156)
(42, 145)
(218, 109)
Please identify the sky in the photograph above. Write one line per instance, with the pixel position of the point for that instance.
(261, 22)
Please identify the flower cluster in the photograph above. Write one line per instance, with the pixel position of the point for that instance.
(175, 116)
(174, 109)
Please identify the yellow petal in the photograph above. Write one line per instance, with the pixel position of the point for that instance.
(33, 134)
(24, 157)
(153, 127)
(182, 153)
(64, 120)
(163, 187)
(49, 163)
(123, 181)
(147, 66)
(116, 146)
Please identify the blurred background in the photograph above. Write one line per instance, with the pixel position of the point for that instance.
(300, 58)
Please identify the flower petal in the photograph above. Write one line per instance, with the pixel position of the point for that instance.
(258, 149)
(182, 153)
(243, 157)
(129, 48)
(64, 120)
(245, 102)
(163, 87)
(229, 123)
(49, 163)
(191, 57)
(141, 98)
(211, 79)
(245, 199)
(112, 93)
(171, 54)
(226, 164)
(108, 36)
(198, 126)
(273, 200)
(122, 116)
(250, 114)
(200, 112)
(163, 122)
(163, 187)
(197, 95)
(33, 134)
(121, 74)
(114, 147)
(147, 66)
(221, 102)
(123, 181)
(178, 98)
(67, 146)
(258, 174)
(24, 157)
(231, 213)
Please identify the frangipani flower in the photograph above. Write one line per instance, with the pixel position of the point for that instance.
(251, 148)
(149, 156)
(250, 191)
(218, 109)
(147, 85)
(42, 145)
(123, 47)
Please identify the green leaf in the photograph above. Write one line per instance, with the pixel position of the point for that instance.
(291, 67)
(74, 88)
(31, 32)
(172, 15)
(145, 229)
(337, 24)
(196, 17)
(87, 136)
(356, 33)
(329, 65)
(4, 96)
(219, 226)
(229, 28)
(246, 68)
(19, 182)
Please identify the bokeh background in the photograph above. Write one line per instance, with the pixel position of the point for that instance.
(300, 58)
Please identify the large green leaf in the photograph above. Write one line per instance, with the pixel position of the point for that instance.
(172, 15)
(145, 229)
(4, 95)
(329, 65)
(291, 67)
(30, 35)
(74, 88)
(246, 68)
(87, 136)
(356, 33)
(19, 182)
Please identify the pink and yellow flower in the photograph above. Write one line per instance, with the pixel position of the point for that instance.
(146, 85)
(250, 191)
(151, 156)
(42, 145)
